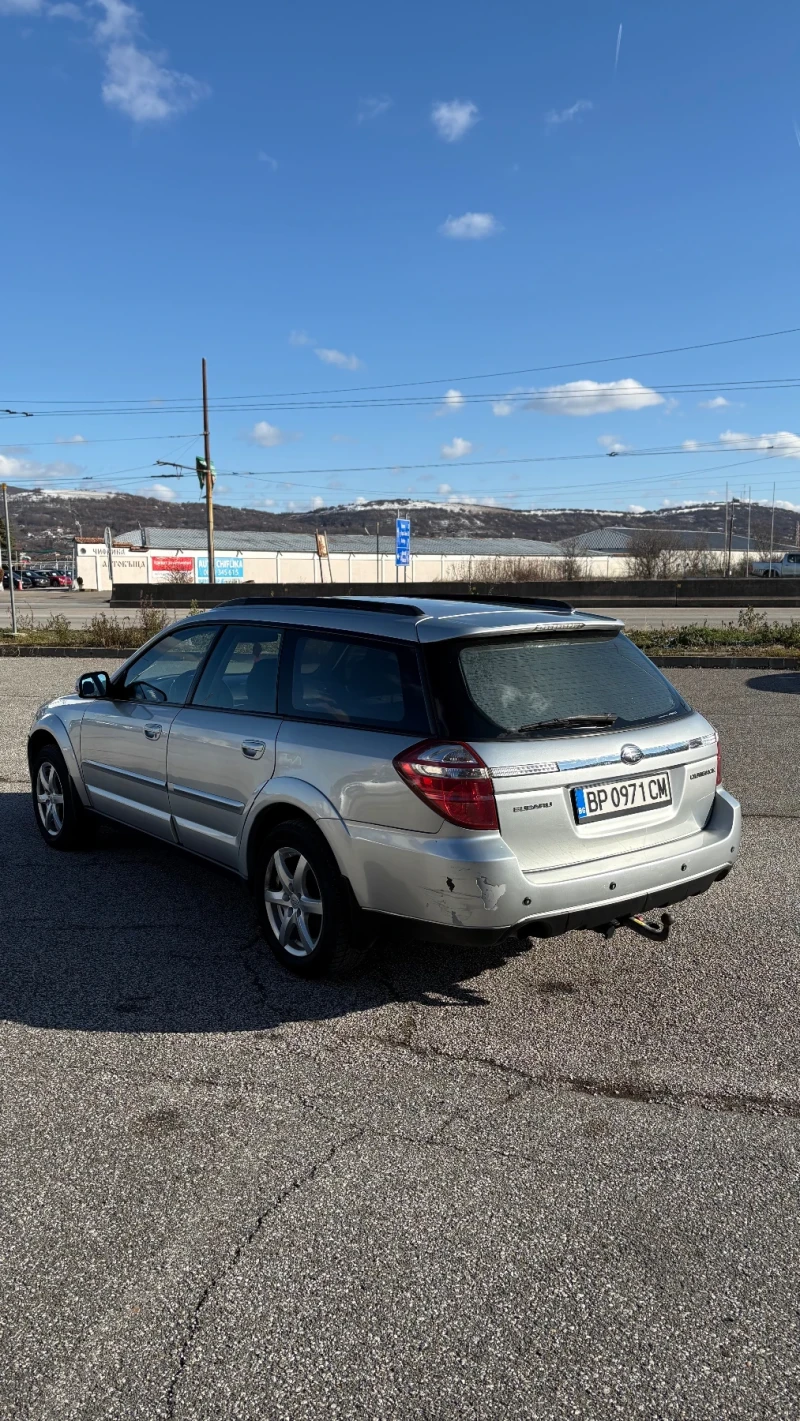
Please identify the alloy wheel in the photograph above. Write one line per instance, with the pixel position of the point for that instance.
(293, 902)
(50, 798)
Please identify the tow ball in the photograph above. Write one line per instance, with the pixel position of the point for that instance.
(637, 922)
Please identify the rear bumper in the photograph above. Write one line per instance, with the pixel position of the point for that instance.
(473, 886)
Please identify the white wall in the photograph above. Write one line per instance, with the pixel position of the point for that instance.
(92, 566)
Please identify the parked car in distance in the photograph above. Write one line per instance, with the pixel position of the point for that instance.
(19, 581)
(38, 577)
(787, 566)
(463, 769)
(60, 579)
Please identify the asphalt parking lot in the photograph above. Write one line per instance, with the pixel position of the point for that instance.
(552, 1182)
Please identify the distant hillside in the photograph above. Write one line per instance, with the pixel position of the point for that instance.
(43, 519)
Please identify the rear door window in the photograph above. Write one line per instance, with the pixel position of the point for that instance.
(507, 686)
(242, 671)
(354, 682)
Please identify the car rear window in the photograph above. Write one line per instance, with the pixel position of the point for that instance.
(350, 682)
(495, 688)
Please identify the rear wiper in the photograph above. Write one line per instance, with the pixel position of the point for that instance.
(565, 722)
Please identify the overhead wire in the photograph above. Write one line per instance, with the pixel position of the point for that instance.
(505, 374)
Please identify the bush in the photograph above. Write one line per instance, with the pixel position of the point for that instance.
(752, 630)
(57, 630)
(104, 630)
(150, 619)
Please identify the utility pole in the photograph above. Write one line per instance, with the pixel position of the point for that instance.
(733, 503)
(772, 530)
(10, 565)
(212, 577)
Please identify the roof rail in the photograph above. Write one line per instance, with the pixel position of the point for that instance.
(545, 604)
(346, 604)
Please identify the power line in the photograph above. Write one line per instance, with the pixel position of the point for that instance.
(507, 374)
(620, 400)
(484, 463)
(79, 443)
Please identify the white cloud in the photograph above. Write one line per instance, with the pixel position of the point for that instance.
(163, 493)
(137, 80)
(445, 488)
(317, 501)
(120, 20)
(343, 439)
(785, 444)
(70, 439)
(33, 470)
(718, 403)
(636, 508)
(457, 449)
(471, 227)
(272, 163)
(452, 400)
(453, 118)
(140, 86)
(690, 444)
(558, 116)
(586, 397)
(337, 357)
(784, 503)
(502, 408)
(612, 444)
(268, 436)
(369, 109)
(300, 338)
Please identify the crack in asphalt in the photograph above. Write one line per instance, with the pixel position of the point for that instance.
(298, 1183)
(636, 1092)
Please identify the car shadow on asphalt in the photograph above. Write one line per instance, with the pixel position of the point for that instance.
(787, 682)
(136, 936)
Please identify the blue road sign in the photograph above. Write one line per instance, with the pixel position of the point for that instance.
(402, 542)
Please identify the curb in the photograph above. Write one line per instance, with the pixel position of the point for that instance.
(709, 663)
(732, 663)
(83, 653)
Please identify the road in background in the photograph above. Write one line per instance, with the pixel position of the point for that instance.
(80, 607)
(556, 1180)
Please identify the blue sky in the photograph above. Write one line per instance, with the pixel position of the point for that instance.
(322, 199)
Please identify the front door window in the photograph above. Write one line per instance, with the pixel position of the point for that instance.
(165, 672)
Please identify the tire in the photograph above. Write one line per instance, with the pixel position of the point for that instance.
(60, 817)
(294, 866)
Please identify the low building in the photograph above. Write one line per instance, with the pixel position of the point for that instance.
(150, 555)
(627, 542)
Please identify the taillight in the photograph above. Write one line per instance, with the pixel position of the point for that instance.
(452, 779)
(719, 762)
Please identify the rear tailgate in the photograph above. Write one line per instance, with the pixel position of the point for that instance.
(592, 752)
(574, 799)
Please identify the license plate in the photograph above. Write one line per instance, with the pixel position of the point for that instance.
(615, 797)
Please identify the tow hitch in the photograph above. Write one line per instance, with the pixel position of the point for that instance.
(656, 932)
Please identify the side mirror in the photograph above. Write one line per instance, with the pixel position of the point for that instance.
(94, 686)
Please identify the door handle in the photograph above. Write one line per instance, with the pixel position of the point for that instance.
(253, 749)
(153, 732)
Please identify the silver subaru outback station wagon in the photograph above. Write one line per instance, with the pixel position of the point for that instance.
(466, 769)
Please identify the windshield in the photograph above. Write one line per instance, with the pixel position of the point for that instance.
(551, 685)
